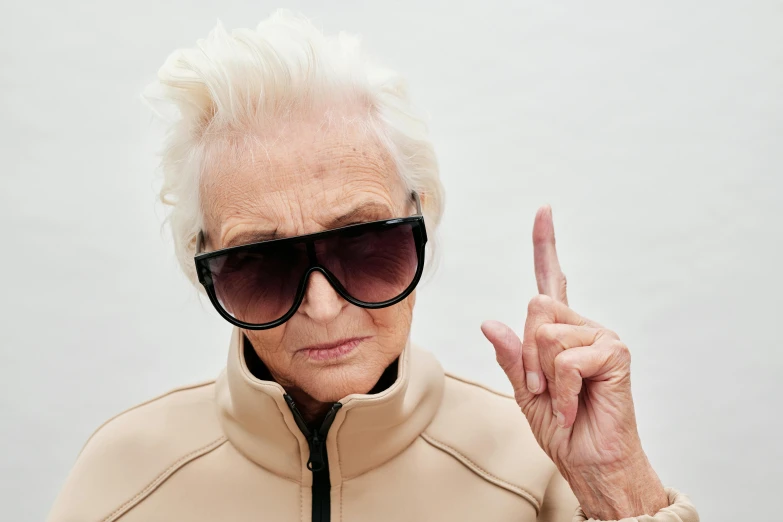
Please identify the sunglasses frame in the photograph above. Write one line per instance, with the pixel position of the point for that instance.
(205, 274)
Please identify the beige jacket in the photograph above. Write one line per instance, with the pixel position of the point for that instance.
(430, 447)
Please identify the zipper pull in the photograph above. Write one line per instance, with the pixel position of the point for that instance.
(316, 460)
(318, 440)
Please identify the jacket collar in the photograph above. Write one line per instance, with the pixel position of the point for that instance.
(367, 431)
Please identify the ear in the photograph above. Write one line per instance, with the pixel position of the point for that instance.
(200, 243)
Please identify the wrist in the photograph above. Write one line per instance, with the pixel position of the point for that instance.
(631, 489)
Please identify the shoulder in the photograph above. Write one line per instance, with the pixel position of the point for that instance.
(486, 431)
(134, 452)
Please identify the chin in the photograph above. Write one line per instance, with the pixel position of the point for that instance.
(331, 384)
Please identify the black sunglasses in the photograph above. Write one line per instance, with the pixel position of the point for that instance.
(261, 285)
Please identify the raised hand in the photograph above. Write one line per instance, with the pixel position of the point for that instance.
(571, 378)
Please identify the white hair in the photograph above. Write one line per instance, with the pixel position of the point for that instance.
(231, 84)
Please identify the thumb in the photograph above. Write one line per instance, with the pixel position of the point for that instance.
(508, 351)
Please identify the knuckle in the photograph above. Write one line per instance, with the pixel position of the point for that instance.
(621, 351)
(546, 333)
(564, 362)
(539, 303)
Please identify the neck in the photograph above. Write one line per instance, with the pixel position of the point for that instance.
(312, 410)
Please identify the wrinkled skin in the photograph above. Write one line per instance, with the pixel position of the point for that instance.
(571, 378)
(301, 183)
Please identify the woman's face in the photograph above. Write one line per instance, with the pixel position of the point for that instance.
(301, 179)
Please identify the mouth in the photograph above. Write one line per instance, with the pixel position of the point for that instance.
(330, 351)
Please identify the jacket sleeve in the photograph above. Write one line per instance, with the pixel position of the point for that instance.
(560, 505)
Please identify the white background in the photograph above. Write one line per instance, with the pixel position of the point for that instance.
(654, 129)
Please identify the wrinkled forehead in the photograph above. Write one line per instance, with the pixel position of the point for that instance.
(298, 174)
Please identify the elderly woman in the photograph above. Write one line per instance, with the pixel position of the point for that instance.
(304, 195)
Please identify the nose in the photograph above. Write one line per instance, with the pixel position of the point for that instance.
(321, 302)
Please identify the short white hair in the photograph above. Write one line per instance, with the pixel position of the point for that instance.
(249, 79)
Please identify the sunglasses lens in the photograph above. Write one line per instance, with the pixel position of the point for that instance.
(259, 286)
(373, 265)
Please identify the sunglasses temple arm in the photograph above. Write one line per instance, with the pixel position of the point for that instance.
(417, 201)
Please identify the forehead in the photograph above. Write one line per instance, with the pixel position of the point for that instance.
(299, 176)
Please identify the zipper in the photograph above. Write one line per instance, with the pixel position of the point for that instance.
(318, 461)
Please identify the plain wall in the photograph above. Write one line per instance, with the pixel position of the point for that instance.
(654, 129)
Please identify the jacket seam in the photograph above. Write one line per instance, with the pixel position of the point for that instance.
(481, 472)
(148, 401)
(162, 477)
(478, 385)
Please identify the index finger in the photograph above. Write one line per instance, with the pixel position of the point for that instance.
(549, 277)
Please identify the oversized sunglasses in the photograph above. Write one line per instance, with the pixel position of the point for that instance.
(261, 285)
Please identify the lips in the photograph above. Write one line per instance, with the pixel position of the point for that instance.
(332, 350)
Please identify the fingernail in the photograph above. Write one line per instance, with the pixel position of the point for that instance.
(560, 419)
(533, 383)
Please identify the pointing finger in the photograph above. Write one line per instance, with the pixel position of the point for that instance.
(549, 276)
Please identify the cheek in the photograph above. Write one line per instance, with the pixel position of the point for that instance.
(394, 320)
(268, 344)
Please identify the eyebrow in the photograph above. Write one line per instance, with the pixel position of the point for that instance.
(368, 211)
(250, 236)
